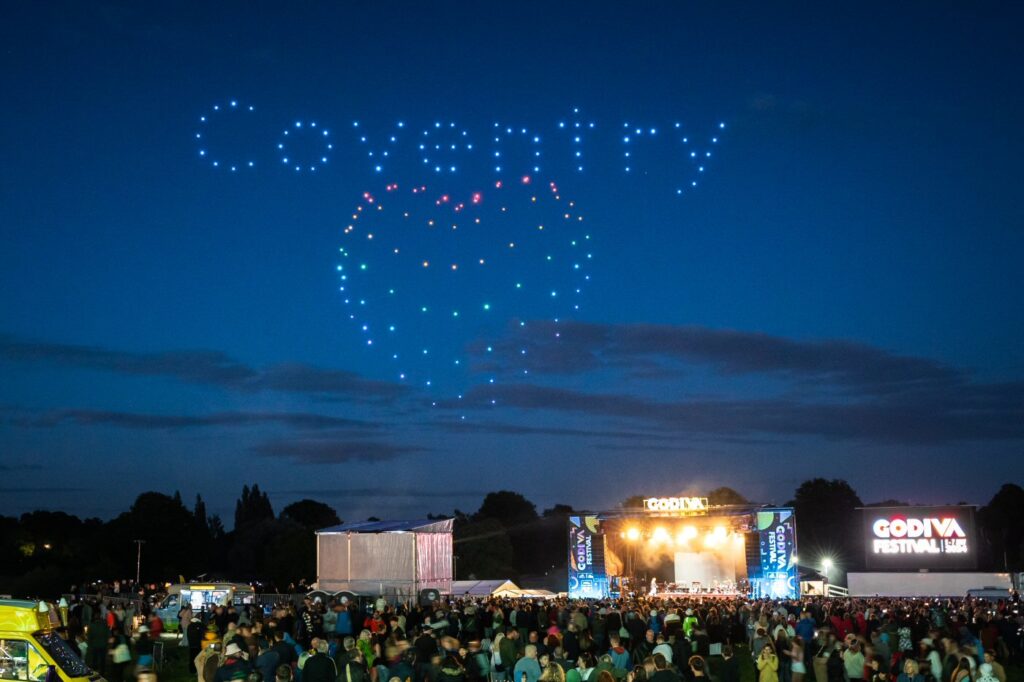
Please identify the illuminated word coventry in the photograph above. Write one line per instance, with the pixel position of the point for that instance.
(919, 536)
(676, 504)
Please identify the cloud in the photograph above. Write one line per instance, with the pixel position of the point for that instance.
(18, 490)
(579, 347)
(375, 493)
(131, 420)
(333, 451)
(205, 367)
(509, 429)
(877, 420)
(833, 389)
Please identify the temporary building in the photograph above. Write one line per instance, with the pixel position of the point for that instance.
(496, 588)
(481, 588)
(390, 558)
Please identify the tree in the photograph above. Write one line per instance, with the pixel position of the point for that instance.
(252, 507)
(725, 495)
(552, 544)
(169, 530)
(310, 514)
(483, 550)
(519, 518)
(511, 509)
(1000, 522)
(828, 523)
(199, 511)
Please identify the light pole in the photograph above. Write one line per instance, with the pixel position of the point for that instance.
(825, 565)
(138, 561)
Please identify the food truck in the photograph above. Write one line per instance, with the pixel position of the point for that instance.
(201, 597)
(30, 646)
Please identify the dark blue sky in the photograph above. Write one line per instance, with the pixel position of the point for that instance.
(841, 295)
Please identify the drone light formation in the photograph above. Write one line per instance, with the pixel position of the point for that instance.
(667, 154)
(424, 273)
(209, 150)
(464, 233)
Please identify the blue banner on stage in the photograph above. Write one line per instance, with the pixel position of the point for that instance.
(778, 577)
(587, 576)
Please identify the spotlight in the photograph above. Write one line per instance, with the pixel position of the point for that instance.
(633, 534)
(661, 535)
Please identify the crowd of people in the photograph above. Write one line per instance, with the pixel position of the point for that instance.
(637, 640)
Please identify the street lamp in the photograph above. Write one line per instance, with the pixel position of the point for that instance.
(138, 560)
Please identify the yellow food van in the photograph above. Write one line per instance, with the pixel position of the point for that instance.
(30, 646)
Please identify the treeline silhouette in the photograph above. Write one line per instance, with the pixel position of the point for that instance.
(47, 552)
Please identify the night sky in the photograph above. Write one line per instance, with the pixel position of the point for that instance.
(840, 294)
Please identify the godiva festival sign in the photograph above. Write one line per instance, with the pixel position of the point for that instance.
(914, 538)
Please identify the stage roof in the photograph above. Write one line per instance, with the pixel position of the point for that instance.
(416, 526)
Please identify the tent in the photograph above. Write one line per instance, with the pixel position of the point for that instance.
(496, 588)
(389, 558)
(481, 588)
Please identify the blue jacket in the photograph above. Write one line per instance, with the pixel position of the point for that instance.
(530, 666)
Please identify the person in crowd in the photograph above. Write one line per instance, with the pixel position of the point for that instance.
(836, 669)
(508, 650)
(986, 673)
(962, 672)
(782, 647)
(758, 641)
(620, 657)
(663, 672)
(662, 647)
(698, 668)
(997, 668)
(370, 649)
(194, 637)
(767, 664)
(97, 641)
(690, 622)
(729, 671)
(319, 667)
(795, 654)
(853, 659)
(235, 662)
(553, 673)
(583, 669)
(452, 670)
(879, 669)
(527, 668)
(120, 656)
(143, 644)
(266, 660)
(911, 672)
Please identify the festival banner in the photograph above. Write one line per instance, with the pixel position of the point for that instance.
(779, 577)
(587, 576)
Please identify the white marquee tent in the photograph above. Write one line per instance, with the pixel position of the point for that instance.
(389, 558)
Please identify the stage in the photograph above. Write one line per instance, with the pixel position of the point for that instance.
(684, 547)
